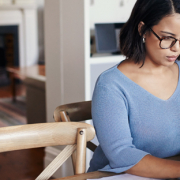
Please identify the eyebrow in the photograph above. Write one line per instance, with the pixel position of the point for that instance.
(168, 33)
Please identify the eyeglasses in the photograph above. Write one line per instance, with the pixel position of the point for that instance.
(165, 42)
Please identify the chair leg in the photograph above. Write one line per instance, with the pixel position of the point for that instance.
(81, 151)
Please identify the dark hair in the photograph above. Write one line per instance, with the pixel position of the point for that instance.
(150, 12)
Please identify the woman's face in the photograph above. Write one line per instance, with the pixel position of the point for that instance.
(168, 27)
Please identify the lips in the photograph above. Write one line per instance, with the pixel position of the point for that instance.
(172, 58)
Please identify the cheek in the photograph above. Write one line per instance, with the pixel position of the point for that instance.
(152, 44)
(179, 49)
(153, 49)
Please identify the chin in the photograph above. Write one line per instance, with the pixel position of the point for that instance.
(169, 63)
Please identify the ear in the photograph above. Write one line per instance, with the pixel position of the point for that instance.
(140, 25)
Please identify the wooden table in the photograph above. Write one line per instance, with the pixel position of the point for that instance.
(91, 175)
(23, 72)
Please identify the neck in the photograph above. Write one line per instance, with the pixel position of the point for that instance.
(155, 68)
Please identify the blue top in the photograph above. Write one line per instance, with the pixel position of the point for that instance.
(130, 123)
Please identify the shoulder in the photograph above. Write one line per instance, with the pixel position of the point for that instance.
(111, 86)
(110, 78)
(112, 83)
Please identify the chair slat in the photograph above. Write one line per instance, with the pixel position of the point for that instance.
(56, 163)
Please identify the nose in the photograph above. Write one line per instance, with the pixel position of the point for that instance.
(176, 46)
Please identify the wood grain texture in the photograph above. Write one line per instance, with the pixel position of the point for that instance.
(41, 135)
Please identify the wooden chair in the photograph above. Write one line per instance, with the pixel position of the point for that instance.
(75, 112)
(73, 134)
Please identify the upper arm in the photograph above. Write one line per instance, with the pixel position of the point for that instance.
(110, 118)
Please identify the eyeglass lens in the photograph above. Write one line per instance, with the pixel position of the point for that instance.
(167, 42)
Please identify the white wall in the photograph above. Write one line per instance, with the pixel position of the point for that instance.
(64, 84)
(110, 11)
(100, 11)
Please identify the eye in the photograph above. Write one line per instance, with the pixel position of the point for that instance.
(167, 38)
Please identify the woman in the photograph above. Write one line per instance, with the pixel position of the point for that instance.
(136, 104)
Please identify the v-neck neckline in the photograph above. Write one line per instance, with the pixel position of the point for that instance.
(131, 81)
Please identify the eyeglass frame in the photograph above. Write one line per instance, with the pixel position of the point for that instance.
(160, 39)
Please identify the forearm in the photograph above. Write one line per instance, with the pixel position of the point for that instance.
(154, 167)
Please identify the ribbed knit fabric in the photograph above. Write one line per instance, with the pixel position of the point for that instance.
(130, 123)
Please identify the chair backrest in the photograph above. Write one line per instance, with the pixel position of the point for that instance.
(74, 135)
(75, 112)
(79, 111)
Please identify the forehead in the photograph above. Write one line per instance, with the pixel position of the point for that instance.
(170, 23)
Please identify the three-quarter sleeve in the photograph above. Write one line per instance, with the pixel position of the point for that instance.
(110, 119)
